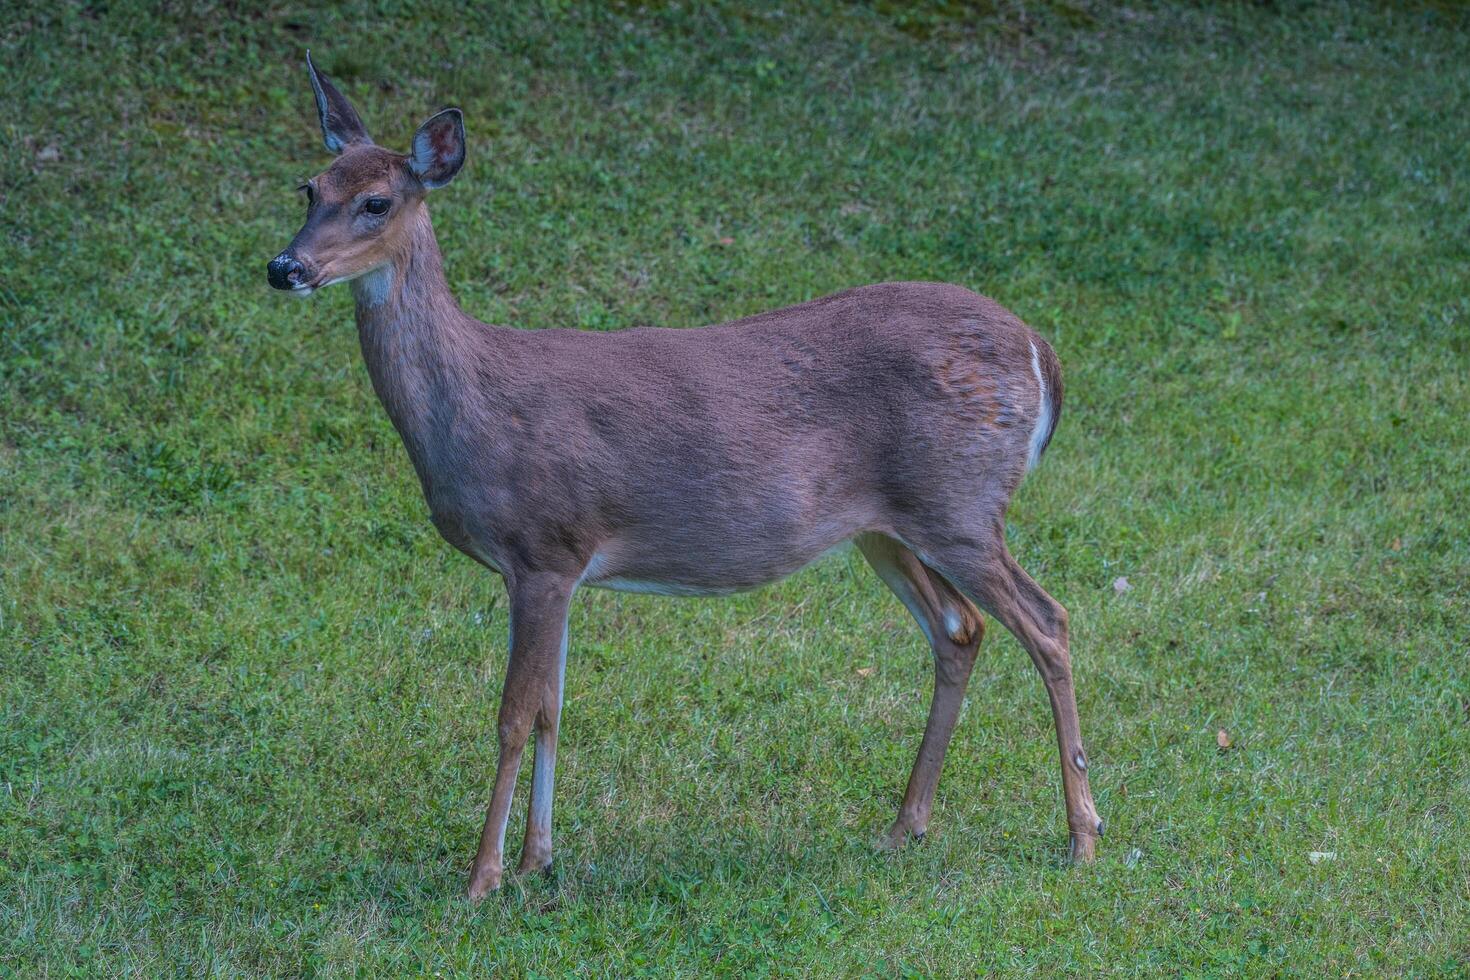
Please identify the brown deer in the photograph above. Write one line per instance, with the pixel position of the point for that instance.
(900, 417)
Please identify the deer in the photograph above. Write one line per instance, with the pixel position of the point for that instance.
(898, 417)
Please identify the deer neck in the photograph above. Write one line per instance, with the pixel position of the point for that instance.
(426, 357)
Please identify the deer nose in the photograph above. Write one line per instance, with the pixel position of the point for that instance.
(285, 271)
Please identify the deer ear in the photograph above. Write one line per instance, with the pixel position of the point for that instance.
(341, 126)
(438, 148)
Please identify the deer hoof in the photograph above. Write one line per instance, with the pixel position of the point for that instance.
(483, 882)
(532, 864)
(898, 835)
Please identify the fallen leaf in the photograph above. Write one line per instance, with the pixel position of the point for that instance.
(1120, 585)
(48, 154)
(727, 241)
(1222, 739)
(866, 671)
(1132, 857)
(1317, 857)
(1398, 544)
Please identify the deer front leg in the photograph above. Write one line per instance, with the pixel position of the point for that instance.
(532, 693)
(536, 849)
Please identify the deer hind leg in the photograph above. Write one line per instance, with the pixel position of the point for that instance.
(532, 695)
(991, 577)
(953, 627)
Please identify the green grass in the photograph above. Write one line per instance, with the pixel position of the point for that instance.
(247, 696)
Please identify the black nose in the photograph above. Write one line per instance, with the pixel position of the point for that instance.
(284, 271)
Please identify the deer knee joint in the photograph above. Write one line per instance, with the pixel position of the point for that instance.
(514, 732)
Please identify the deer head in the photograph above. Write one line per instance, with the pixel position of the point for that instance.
(359, 210)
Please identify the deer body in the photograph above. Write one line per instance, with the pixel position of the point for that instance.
(899, 416)
(692, 461)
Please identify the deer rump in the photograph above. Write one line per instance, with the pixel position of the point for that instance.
(717, 459)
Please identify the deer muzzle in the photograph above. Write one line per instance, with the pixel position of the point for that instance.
(285, 271)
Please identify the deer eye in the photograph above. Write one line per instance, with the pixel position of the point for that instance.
(377, 205)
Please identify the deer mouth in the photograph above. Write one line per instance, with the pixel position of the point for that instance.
(309, 286)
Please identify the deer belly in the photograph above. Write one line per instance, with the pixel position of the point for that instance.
(725, 573)
(618, 583)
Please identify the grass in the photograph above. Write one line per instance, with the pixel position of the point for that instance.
(247, 696)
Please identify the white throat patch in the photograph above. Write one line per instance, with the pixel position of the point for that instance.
(373, 286)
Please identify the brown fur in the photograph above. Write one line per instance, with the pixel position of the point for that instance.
(898, 416)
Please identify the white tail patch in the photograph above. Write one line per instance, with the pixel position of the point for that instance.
(1043, 412)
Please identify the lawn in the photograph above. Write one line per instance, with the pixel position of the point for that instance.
(248, 695)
